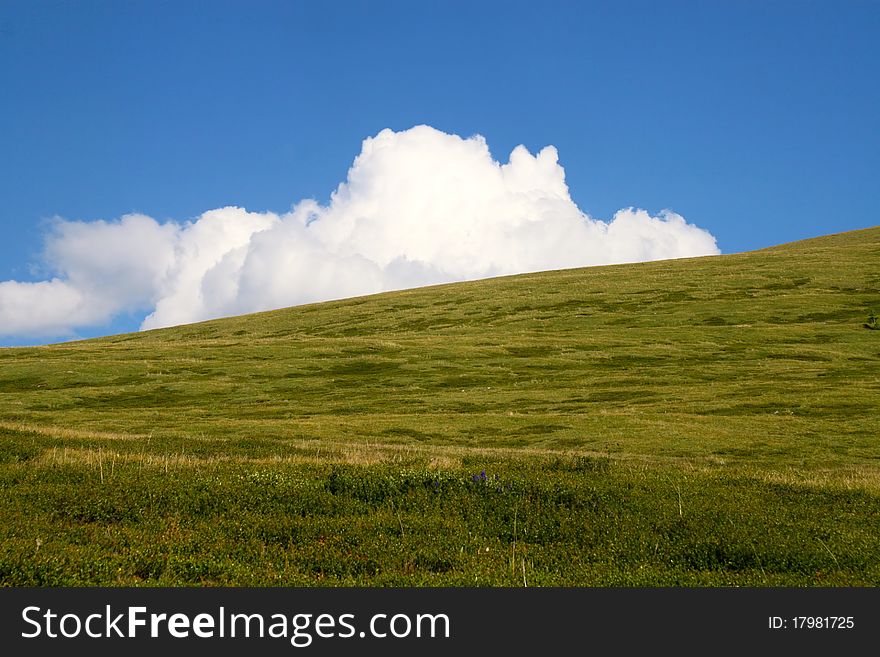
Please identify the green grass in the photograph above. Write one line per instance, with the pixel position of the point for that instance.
(709, 421)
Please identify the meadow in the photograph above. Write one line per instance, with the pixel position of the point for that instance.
(700, 422)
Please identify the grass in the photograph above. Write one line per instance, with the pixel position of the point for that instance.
(704, 422)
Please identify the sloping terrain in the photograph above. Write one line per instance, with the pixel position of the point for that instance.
(642, 394)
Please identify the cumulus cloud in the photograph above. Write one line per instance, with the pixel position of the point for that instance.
(418, 207)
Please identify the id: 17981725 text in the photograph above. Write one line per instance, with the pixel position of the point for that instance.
(811, 623)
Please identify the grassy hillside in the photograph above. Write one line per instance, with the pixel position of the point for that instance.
(703, 421)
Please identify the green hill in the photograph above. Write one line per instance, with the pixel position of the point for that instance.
(702, 421)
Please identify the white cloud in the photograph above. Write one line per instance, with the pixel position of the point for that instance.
(206, 264)
(117, 264)
(418, 207)
(46, 308)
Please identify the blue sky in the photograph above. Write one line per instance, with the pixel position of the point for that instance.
(756, 121)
